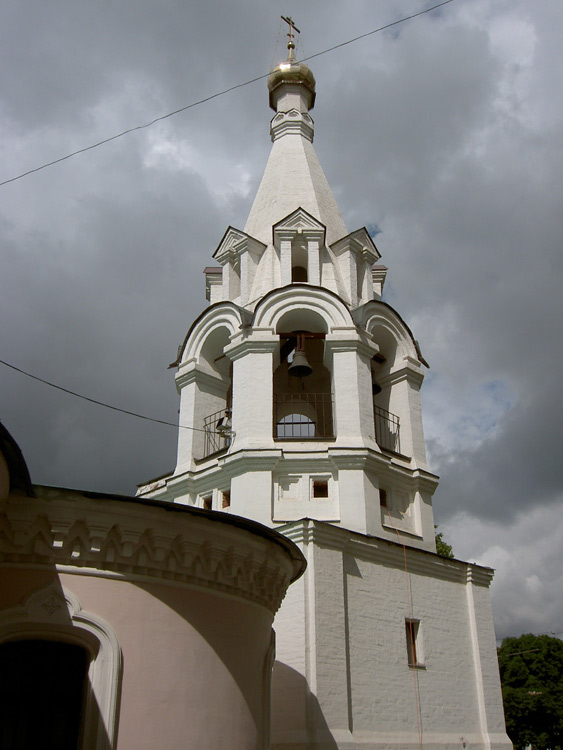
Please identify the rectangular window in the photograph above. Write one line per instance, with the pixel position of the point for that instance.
(226, 499)
(207, 502)
(414, 645)
(383, 498)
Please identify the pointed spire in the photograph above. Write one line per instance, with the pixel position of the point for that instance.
(293, 177)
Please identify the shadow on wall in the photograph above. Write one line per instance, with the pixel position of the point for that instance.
(49, 691)
(297, 718)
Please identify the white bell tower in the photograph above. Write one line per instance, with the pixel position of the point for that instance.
(299, 388)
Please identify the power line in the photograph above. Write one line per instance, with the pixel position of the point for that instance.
(215, 96)
(99, 403)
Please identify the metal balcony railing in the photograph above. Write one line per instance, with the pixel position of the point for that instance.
(303, 416)
(387, 430)
(213, 440)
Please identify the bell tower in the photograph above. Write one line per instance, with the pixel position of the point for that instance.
(301, 385)
(300, 409)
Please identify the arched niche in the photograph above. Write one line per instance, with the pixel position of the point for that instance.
(205, 381)
(299, 260)
(223, 315)
(51, 613)
(216, 398)
(397, 350)
(212, 355)
(383, 363)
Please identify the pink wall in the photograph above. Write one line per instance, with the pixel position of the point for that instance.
(193, 661)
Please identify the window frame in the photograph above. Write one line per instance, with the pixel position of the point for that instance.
(52, 613)
(415, 653)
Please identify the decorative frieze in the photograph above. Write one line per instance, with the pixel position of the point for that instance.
(135, 538)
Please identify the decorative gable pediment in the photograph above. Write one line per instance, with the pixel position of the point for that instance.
(359, 243)
(299, 222)
(235, 242)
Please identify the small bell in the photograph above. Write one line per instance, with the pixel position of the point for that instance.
(300, 368)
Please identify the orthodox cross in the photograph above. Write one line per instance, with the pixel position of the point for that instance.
(292, 27)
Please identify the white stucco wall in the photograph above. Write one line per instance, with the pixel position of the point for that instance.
(342, 629)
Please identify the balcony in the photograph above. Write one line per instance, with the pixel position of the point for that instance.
(303, 416)
(215, 440)
(387, 430)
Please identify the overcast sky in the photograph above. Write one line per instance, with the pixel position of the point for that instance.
(445, 132)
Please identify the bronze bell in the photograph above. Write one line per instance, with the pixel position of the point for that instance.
(300, 368)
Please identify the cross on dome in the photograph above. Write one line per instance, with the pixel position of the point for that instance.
(290, 45)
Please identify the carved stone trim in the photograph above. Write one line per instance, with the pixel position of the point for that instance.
(51, 612)
(157, 540)
(386, 552)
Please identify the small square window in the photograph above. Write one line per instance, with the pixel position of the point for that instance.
(414, 645)
(320, 488)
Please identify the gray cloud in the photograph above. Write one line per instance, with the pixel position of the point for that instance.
(445, 132)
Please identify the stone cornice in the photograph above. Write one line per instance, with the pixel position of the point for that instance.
(300, 123)
(348, 339)
(251, 340)
(410, 370)
(107, 535)
(291, 457)
(190, 372)
(384, 552)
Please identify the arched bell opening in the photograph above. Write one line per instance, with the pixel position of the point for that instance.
(302, 384)
(387, 423)
(215, 394)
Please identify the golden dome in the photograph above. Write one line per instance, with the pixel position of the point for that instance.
(291, 71)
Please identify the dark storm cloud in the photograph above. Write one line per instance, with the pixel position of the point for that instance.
(444, 132)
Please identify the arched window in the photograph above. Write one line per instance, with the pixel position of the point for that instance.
(51, 625)
(299, 260)
(295, 425)
(42, 694)
(215, 396)
(387, 427)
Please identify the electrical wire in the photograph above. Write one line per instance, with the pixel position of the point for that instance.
(100, 403)
(389, 522)
(215, 96)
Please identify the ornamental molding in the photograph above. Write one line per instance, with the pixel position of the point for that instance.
(235, 242)
(192, 372)
(135, 538)
(385, 552)
(296, 223)
(294, 122)
(52, 611)
(359, 243)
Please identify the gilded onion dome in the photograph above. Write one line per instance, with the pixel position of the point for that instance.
(291, 72)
